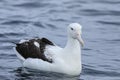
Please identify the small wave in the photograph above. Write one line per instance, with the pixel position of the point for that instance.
(74, 6)
(59, 20)
(30, 5)
(109, 23)
(107, 2)
(14, 34)
(5, 37)
(51, 26)
(60, 35)
(117, 60)
(87, 49)
(14, 22)
(41, 75)
(115, 40)
(6, 47)
(4, 77)
(7, 56)
(56, 11)
(2, 36)
(38, 24)
(9, 40)
(114, 13)
(95, 72)
(94, 12)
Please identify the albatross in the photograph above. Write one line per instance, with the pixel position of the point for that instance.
(42, 54)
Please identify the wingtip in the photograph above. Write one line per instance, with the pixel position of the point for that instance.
(17, 44)
(18, 55)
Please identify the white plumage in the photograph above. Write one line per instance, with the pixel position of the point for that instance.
(36, 44)
(66, 60)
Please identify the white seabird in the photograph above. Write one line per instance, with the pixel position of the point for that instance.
(42, 54)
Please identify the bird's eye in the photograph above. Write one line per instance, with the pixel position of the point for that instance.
(71, 28)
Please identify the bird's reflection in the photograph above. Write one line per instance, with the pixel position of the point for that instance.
(28, 74)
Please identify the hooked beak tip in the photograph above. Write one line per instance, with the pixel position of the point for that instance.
(82, 44)
(81, 41)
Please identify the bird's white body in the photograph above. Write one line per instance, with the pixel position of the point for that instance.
(65, 60)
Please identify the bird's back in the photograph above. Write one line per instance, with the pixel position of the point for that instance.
(34, 48)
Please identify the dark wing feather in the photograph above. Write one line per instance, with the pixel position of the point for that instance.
(29, 50)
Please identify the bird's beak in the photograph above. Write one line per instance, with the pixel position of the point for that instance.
(80, 40)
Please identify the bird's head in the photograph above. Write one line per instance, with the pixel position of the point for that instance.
(75, 31)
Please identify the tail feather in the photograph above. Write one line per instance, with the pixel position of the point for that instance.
(22, 59)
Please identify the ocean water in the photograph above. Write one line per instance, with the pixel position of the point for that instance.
(26, 19)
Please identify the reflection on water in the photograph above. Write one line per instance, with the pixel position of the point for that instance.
(26, 19)
(28, 74)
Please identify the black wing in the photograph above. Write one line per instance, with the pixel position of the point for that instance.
(29, 50)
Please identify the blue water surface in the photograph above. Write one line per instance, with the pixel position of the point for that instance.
(26, 19)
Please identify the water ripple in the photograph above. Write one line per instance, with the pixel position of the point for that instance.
(94, 12)
(108, 2)
(14, 22)
(59, 20)
(23, 74)
(25, 19)
(100, 72)
(7, 56)
(87, 49)
(51, 26)
(38, 24)
(29, 5)
(109, 22)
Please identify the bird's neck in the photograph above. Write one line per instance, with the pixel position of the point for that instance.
(72, 54)
(72, 45)
(72, 49)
